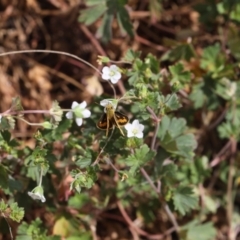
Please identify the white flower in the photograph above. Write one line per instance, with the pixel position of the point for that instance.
(134, 129)
(79, 112)
(110, 101)
(0, 118)
(111, 73)
(37, 194)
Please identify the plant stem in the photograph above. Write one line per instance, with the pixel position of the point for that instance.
(51, 51)
(229, 188)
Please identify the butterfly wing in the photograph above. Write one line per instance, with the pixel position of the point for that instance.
(102, 123)
(120, 119)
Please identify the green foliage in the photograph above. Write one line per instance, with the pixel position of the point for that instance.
(11, 211)
(179, 76)
(107, 9)
(3, 177)
(184, 200)
(181, 52)
(83, 179)
(139, 158)
(233, 7)
(34, 231)
(173, 138)
(195, 230)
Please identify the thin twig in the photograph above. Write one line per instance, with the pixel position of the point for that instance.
(172, 217)
(111, 164)
(229, 188)
(153, 143)
(50, 51)
(144, 173)
(137, 229)
(9, 227)
(217, 159)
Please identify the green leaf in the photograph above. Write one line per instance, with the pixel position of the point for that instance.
(16, 105)
(233, 40)
(174, 139)
(90, 15)
(174, 126)
(185, 52)
(197, 95)
(83, 179)
(184, 200)
(78, 200)
(7, 123)
(3, 177)
(6, 136)
(235, 13)
(168, 171)
(124, 21)
(86, 160)
(226, 88)
(15, 185)
(139, 158)
(178, 73)
(94, 2)
(203, 93)
(204, 231)
(56, 133)
(229, 8)
(212, 60)
(169, 103)
(105, 30)
(131, 55)
(186, 144)
(153, 63)
(168, 143)
(208, 14)
(227, 130)
(17, 213)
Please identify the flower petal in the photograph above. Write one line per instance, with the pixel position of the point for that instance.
(118, 75)
(106, 70)
(130, 134)
(135, 123)
(105, 76)
(139, 135)
(69, 115)
(114, 80)
(83, 104)
(79, 121)
(37, 194)
(74, 104)
(128, 126)
(104, 102)
(113, 68)
(141, 127)
(86, 113)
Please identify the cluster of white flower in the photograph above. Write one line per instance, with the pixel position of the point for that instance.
(79, 111)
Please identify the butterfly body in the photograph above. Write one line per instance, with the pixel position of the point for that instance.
(112, 118)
